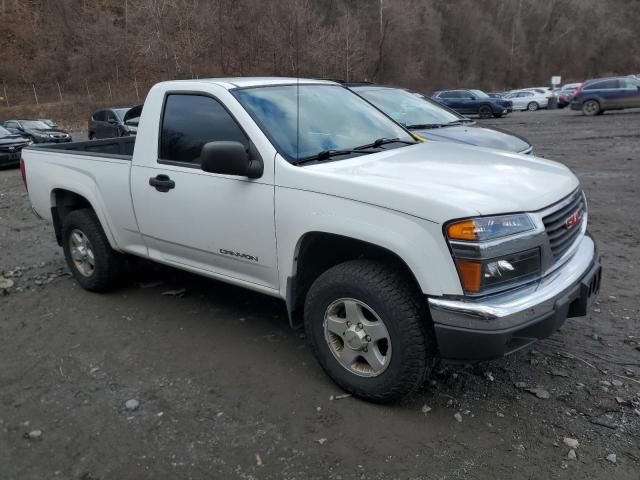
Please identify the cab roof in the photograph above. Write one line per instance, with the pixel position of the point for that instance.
(243, 82)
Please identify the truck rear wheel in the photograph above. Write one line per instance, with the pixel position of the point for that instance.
(92, 261)
(368, 329)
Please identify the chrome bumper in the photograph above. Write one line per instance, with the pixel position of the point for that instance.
(519, 317)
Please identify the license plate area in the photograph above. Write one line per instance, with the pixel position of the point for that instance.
(589, 288)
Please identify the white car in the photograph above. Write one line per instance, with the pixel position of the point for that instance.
(531, 100)
(390, 252)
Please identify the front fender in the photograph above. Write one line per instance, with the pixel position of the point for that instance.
(419, 243)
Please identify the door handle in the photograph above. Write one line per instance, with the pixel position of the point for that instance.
(162, 183)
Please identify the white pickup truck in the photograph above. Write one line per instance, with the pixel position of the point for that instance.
(392, 253)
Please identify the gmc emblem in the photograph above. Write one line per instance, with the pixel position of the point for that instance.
(573, 220)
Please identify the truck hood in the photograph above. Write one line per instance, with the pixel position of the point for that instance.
(473, 135)
(440, 181)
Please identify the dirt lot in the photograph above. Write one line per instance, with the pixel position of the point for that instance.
(227, 390)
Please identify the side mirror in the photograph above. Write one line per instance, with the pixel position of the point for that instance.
(229, 158)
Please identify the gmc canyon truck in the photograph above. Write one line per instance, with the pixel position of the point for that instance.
(391, 253)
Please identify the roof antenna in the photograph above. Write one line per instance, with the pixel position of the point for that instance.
(297, 84)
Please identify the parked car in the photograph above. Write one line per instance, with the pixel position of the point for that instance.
(109, 123)
(49, 122)
(37, 131)
(546, 90)
(433, 121)
(132, 118)
(389, 252)
(473, 102)
(11, 145)
(596, 96)
(531, 100)
(565, 94)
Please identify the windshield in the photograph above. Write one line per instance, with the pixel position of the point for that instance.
(34, 125)
(330, 118)
(407, 108)
(120, 112)
(479, 93)
(4, 132)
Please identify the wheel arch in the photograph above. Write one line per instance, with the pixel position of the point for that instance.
(318, 251)
(64, 201)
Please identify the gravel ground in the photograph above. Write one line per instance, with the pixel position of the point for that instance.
(224, 388)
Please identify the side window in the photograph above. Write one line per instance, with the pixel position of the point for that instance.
(109, 116)
(12, 124)
(99, 116)
(190, 121)
(605, 84)
(629, 83)
(447, 95)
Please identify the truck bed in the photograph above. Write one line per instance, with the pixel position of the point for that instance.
(121, 147)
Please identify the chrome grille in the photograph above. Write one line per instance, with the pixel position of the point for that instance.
(562, 233)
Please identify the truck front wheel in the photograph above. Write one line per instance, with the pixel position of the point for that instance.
(92, 261)
(368, 329)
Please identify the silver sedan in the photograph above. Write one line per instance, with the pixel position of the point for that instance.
(531, 100)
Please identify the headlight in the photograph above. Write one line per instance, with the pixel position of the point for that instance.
(485, 266)
(489, 228)
(484, 276)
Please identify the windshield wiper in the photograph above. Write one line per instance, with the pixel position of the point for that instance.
(461, 120)
(427, 126)
(327, 154)
(383, 141)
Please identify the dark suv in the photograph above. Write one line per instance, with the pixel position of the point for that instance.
(473, 101)
(110, 123)
(597, 95)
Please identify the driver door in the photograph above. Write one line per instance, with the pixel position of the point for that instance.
(206, 222)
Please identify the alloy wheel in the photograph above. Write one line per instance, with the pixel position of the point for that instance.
(82, 253)
(357, 337)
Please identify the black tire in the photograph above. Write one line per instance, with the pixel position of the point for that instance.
(485, 111)
(591, 108)
(92, 136)
(533, 106)
(108, 264)
(392, 295)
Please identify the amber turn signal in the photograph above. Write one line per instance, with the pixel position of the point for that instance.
(470, 275)
(466, 230)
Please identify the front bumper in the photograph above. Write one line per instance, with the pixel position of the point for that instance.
(494, 326)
